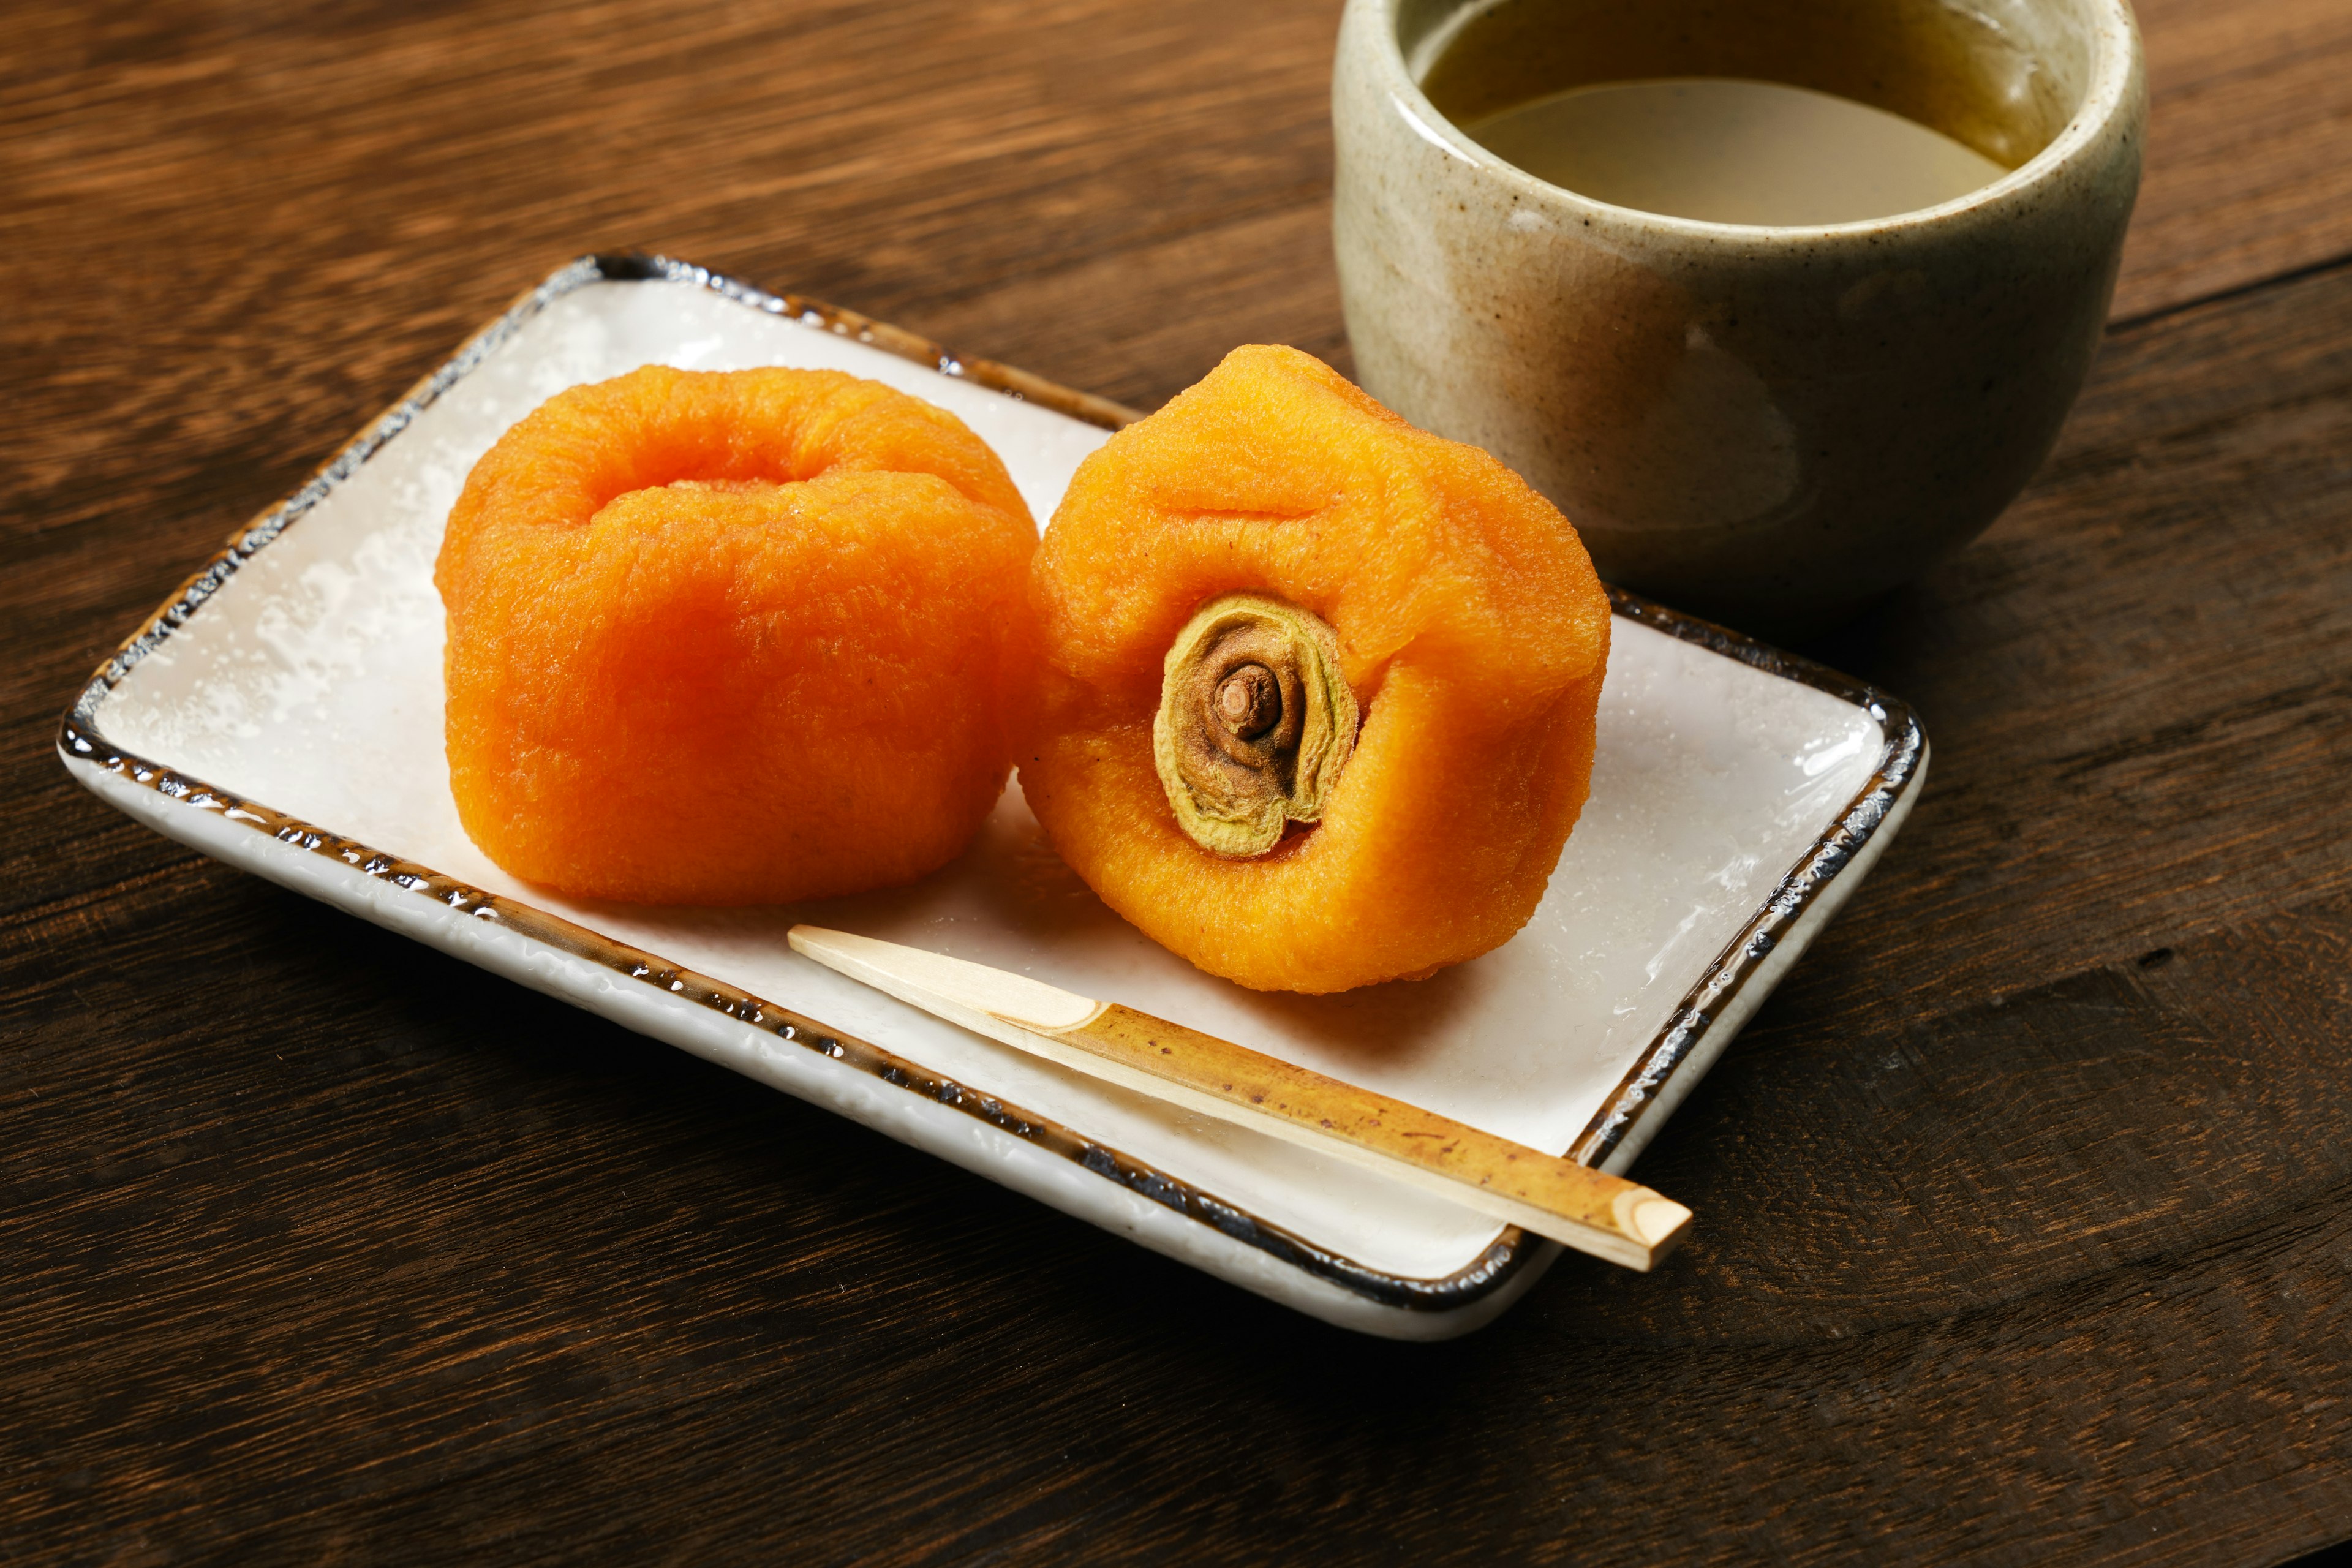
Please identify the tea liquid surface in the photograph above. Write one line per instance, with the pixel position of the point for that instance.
(1725, 150)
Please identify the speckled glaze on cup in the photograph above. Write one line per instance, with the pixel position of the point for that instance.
(1769, 425)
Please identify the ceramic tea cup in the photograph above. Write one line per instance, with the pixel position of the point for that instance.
(1772, 425)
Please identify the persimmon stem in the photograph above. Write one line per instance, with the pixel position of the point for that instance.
(1256, 721)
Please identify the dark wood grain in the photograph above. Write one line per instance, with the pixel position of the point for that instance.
(2026, 1206)
(2137, 684)
(2249, 148)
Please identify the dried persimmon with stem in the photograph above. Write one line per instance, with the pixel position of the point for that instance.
(1317, 689)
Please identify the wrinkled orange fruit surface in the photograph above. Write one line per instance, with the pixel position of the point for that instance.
(1471, 629)
(731, 637)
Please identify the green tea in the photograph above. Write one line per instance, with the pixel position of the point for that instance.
(1725, 150)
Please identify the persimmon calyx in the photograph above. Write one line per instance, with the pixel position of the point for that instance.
(1256, 723)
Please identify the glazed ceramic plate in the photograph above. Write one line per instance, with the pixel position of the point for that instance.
(283, 713)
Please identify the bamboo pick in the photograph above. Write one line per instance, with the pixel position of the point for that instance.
(1605, 1216)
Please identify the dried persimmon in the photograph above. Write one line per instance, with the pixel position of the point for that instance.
(1317, 689)
(731, 637)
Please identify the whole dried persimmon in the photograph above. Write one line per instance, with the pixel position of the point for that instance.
(731, 637)
(1317, 689)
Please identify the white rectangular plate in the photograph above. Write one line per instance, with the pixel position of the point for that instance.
(283, 713)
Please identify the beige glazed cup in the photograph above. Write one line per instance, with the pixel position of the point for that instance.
(1769, 425)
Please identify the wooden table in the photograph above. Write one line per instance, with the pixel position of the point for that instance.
(2027, 1203)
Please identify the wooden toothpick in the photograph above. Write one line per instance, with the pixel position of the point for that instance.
(1605, 1216)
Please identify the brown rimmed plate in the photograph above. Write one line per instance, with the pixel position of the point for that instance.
(282, 712)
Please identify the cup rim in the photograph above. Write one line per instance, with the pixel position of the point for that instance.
(2117, 62)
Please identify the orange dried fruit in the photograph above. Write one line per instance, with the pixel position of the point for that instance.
(731, 637)
(1271, 528)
